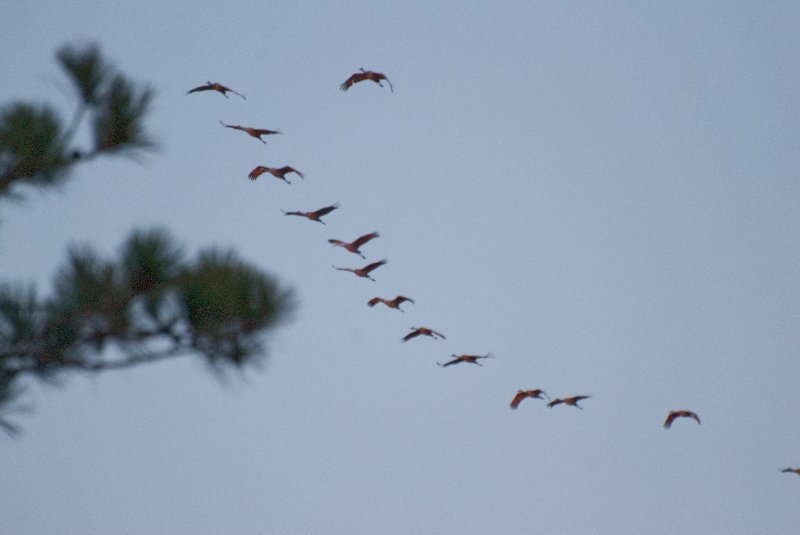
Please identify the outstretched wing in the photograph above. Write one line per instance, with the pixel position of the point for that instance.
(204, 87)
(264, 132)
(358, 242)
(288, 169)
(670, 418)
(414, 334)
(257, 172)
(374, 301)
(373, 266)
(402, 299)
(518, 399)
(354, 79)
(328, 209)
(234, 126)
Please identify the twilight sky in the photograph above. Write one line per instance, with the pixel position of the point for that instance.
(604, 195)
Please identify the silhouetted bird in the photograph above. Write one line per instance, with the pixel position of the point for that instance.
(792, 470)
(365, 75)
(316, 215)
(568, 401)
(364, 271)
(522, 394)
(465, 358)
(356, 244)
(391, 303)
(255, 132)
(277, 172)
(424, 331)
(214, 86)
(679, 414)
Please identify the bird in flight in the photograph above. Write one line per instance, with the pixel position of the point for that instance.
(356, 244)
(215, 86)
(255, 132)
(364, 271)
(277, 172)
(522, 394)
(417, 331)
(365, 75)
(568, 401)
(465, 358)
(679, 414)
(391, 303)
(316, 215)
(792, 470)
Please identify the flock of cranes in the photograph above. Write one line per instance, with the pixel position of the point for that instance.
(364, 272)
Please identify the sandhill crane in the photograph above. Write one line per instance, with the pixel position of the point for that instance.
(277, 172)
(465, 358)
(215, 86)
(316, 215)
(356, 244)
(391, 303)
(364, 271)
(792, 470)
(568, 401)
(417, 331)
(679, 414)
(365, 75)
(522, 394)
(255, 132)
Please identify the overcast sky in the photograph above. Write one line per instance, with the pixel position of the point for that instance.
(604, 195)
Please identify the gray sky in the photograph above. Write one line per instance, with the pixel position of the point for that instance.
(603, 195)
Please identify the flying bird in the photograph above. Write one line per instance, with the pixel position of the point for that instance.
(364, 271)
(792, 470)
(568, 401)
(365, 75)
(391, 303)
(522, 394)
(679, 414)
(356, 244)
(316, 215)
(417, 331)
(277, 172)
(215, 86)
(465, 358)
(255, 132)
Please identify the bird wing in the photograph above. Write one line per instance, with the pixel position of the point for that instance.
(328, 209)
(413, 334)
(438, 334)
(294, 213)
(670, 418)
(264, 131)
(374, 301)
(555, 402)
(257, 172)
(518, 399)
(234, 126)
(204, 87)
(402, 298)
(337, 242)
(354, 79)
(288, 169)
(373, 266)
(358, 242)
(695, 416)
